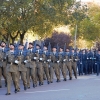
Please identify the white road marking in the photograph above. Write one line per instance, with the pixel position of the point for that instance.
(49, 91)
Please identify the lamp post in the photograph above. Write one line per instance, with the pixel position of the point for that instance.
(75, 42)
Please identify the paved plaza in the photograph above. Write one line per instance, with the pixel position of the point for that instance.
(84, 88)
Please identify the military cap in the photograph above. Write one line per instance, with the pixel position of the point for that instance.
(12, 44)
(21, 45)
(31, 43)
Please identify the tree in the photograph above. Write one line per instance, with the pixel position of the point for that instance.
(60, 39)
(41, 16)
(89, 27)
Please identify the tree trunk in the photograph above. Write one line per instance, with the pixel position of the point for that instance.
(14, 37)
(22, 36)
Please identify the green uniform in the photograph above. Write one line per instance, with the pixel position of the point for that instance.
(21, 70)
(39, 68)
(74, 64)
(50, 68)
(11, 71)
(55, 65)
(45, 67)
(31, 69)
(67, 66)
(3, 67)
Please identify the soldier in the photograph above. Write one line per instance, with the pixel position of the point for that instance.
(79, 62)
(55, 63)
(4, 50)
(31, 66)
(84, 61)
(50, 67)
(61, 59)
(89, 62)
(21, 53)
(1, 64)
(94, 61)
(39, 61)
(98, 62)
(74, 59)
(11, 69)
(45, 64)
(67, 64)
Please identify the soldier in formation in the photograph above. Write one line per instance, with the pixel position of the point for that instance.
(36, 63)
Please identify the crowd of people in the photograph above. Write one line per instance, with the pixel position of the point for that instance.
(40, 63)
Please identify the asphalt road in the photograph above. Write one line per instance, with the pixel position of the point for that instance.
(83, 88)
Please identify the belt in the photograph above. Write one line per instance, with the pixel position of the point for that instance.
(40, 61)
(45, 61)
(11, 63)
(4, 59)
(54, 61)
(22, 63)
(33, 60)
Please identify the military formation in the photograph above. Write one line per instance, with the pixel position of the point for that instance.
(38, 63)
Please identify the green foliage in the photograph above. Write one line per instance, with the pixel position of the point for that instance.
(41, 16)
(90, 27)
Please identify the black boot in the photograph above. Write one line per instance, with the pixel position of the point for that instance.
(0, 86)
(8, 94)
(48, 82)
(39, 83)
(25, 88)
(58, 80)
(34, 85)
(70, 78)
(28, 87)
(76, 77)
(15, 90)
(18, 90)
(5, 83)
(65, 79)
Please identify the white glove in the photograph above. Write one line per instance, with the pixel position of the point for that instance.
(64, 60)
(58, 61)
(80, 62)
(87, 58)
(25, 61)
(16, 61)
(49, 60)
(41, 59)
(95, 63)
(49, 66)
(75, 59)
(69, 59)
(35, 58)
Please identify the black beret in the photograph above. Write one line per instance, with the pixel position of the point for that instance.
(21, 45)
(3, 42)
(61, 47)
(31, 43)
(55, 47)
(37, 45)
(12, 44)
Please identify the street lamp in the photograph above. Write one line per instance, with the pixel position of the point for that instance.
(75, 42)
